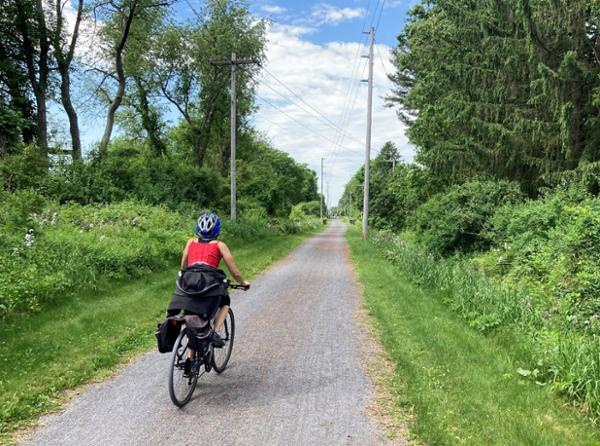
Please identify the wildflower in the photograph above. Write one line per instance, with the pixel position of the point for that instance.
(29, 238)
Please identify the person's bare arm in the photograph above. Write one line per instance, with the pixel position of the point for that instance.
(184, 255)
(233, 269)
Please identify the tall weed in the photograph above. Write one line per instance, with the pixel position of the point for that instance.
(565, 350)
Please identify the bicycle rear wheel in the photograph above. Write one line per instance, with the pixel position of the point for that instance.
(181, 386)
(227, 332)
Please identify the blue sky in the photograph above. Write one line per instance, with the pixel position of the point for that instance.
(315, 49)
(312, 80)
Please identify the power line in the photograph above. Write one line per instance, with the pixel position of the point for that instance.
(374, 14)
(352, 84)
(380, 14)
(327, 121)
(382, 62)
(294, 119)
(349, 113)
(295, 133)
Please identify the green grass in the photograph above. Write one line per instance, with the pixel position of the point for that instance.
(461, 386)
(43, 354)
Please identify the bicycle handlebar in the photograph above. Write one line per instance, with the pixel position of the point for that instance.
(237, 286)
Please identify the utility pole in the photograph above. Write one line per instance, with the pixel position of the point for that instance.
(234, 63)
(321, 198)
(365, 222)
(233, 137)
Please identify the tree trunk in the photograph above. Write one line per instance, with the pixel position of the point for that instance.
(198, 146)
(40, 94)
(116, 103)
(65, 95)
(148, 121)
(37, 70)
(42, 121)
(64, 63)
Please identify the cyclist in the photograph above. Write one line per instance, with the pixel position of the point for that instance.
(202, 256)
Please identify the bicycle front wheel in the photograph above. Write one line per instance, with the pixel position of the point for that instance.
(227, 332)
(181, 385)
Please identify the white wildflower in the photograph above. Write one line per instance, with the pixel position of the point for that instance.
(29, 238)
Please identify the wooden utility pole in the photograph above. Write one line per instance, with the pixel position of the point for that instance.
(234, 63)
(233, 130)
(321, 198)
(365, 221)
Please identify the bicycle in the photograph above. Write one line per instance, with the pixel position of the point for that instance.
(203, 359)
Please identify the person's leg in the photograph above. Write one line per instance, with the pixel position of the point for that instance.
(220, 317)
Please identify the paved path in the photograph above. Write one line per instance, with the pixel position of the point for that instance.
(295, 376)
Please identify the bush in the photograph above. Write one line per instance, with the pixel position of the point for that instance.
(305, 210)
(565, 356)
(56, 250)
(485, 305)
(552, 246)
(456, 220)
(122, 175)
(25, 169)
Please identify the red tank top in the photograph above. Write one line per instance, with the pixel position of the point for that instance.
(208, 253)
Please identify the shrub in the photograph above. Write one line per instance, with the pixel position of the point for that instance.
(485, 305)
(24, 169)
(552, 246)
(304, 210)
(122, 175)
(456, 220)
(73, 246)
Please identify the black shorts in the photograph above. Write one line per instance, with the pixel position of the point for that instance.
(225, 300)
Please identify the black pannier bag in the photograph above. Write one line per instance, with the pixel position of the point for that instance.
(166, 334)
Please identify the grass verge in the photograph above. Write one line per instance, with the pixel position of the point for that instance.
(44, 354)
(462, 387)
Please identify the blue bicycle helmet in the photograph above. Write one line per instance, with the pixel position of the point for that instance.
(208, 226)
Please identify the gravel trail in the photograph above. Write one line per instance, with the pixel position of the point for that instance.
(295, 376)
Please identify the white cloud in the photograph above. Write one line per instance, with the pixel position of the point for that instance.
(326, 13)
(273, 9)
(322, 76)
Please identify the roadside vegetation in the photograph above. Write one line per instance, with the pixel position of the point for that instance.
(498, 217)
(460, 386)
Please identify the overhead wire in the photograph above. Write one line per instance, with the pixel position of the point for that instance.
(377, 23)
(312, 142)
(349, 113)
(380, 14)
(353, 84)
(265, 100)
(350, 110)
(382, 63)
(324, 119)
(349, 98)
(374, 14)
